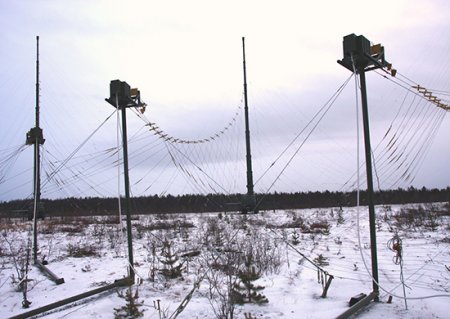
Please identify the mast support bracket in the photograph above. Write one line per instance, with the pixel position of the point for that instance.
(35, 135)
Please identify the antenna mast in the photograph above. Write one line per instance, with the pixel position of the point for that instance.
(360, 57)
(122, 96)
(37, 81)
(35, 137)
(249, 202)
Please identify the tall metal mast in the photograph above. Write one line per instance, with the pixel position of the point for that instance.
(250, 201)
(35, 137)
(359, 57)
(123, 97)
(37, 81)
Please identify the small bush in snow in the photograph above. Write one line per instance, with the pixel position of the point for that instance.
(81, 250)
(321, 260)
(246, 291)
(414, 218)
(131, 308)
(172, 267)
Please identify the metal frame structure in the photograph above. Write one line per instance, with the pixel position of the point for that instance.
(123, 97)
(35, 136)
(360, 57)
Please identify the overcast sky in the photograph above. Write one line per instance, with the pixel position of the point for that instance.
(186, 59)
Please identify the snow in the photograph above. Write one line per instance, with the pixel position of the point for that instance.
(291, 281)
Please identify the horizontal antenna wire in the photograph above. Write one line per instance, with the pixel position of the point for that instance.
(168, 138)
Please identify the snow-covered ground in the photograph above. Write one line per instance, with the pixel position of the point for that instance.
(293, 251)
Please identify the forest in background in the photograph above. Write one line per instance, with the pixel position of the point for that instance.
(93, 206)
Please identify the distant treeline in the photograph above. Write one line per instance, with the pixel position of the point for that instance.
(221, 203)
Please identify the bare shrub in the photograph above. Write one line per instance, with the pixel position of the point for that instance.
(432, 221)
(49, 227)
(72, 229)
(114, 237)
(230, 248)
(267, 255)
(212, 231)
(99, 231)
(297, 223)
(53, 226)
(317, 227)
(111, 220)
(321, 260)
(340, 216)
(150, 246)
(257, 222)
(221, 277)
(19, 252)
(414, 218)
(446, 208)
(164, 225)
(82, 250)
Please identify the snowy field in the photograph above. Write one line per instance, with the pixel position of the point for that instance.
(203, 261)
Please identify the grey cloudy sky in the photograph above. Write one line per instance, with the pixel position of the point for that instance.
(186, 59)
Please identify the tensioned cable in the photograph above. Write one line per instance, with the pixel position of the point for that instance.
(417, 91)
(142, 177)
(428, 144)
(196, 184)
(118, 134)
(156, 130)
(411, 262)
(330, 100)
(97, 168)
(159, 175)
(8, 162)
(190, 177)
(81, 174)
(76, 150)
(416, 271)
(420, 154)
(301, 254)
(10, 189)
(143, 151)
(408, 145)
(172, 141)
(379, 144)
(325, 110)
(358, 213)
(377, 283)
(76, 174)
(431, 129)
(199, 168)
(10, 150)
(84, 174)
